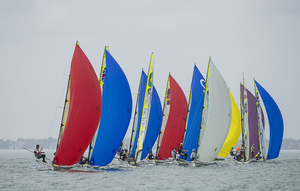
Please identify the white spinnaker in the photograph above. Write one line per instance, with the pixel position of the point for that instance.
(218, 116)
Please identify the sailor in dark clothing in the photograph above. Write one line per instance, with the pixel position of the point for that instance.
(150, 156)
(232, 151)
(39, 154)
(182, 152)
(83, 160)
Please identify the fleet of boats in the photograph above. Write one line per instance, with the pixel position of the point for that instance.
(97, 114)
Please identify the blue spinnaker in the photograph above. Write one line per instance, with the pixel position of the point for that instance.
(116, 113)
(140, 108)
(154, 124)
(275, 122)
(195, 111)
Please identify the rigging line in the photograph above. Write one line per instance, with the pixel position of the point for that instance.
(33, 152)
(54, 114)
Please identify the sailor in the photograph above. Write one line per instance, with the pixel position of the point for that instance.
(252, 150)
(173, 153)
(243, 151)
(83, 160)
(150, 156)
(124, 155)
(257, 157)
(182, 152)
(120, 150)
(127, 156)
(193, 155)
(177, 156)
(231, 152)
(238, 153)
(39, 154)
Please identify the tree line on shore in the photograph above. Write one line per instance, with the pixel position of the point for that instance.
(50, 143)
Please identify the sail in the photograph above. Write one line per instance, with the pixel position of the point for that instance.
(275, 122)
(65, 113)
(154, 124)
(138, 113)
(173, 132)
(234, 131)
(116, 113)
(84, 113)
(145, 112)
(216, 115)
(192, 126)
(260, 123)
(103, 68)
(245, 123)
(101, 82)
(252, 124)
(166, 111)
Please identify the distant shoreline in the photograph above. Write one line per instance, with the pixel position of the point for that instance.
(51, 143)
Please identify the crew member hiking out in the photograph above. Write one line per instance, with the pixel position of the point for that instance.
(39, 154)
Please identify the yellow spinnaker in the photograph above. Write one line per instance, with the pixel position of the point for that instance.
(234, 131)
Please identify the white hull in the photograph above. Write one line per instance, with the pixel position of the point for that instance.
(200, 163)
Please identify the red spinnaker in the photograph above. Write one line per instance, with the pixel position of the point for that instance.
(174, 130)
(84, 113)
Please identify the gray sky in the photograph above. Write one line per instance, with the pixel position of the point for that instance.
(258, 38)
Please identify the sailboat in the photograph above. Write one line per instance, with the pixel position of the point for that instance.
(234, 131)
(116, 113)
(249, 124)
(275, 119)
(254, 120)
(101, 82)
(216, 117)
(174, 118)
(81, 114)
(145, 113)
(192, 125)
(154, 122)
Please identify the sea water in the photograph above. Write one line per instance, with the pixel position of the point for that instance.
(19, 170)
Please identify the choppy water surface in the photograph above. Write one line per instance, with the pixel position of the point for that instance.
(20, 171)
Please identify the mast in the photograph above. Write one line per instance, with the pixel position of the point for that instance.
(275, 120)
(216, 116)
(188, 111)
(86, 102)
(259, 123)
(135, 119)
(145, 112)
(245, 125)
(166, 108)
(204, 111)
(65, 113)
(101, 82)
(193, 119)
(116, 113)
(242, 109)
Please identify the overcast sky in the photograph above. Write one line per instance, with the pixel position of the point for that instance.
(258, 38)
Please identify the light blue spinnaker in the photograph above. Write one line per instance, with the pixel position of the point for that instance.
(116, 113)
(192, 127)
(275, 122)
